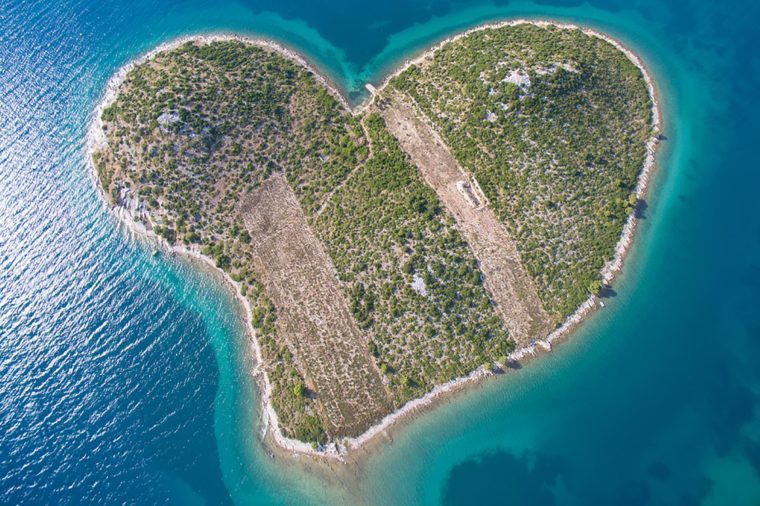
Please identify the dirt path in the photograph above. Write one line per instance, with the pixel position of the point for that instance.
(328, 197)
(511, 287)
(312, 311)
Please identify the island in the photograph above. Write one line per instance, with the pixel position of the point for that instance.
(471, 210)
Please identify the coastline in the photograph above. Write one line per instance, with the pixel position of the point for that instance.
(95, 137)
(271, 434)
(612, 267)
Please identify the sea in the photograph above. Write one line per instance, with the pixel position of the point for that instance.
(125, 378)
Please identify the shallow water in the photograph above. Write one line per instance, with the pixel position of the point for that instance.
(125, 377)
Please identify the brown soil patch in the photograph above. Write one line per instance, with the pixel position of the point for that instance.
(511, 287)
(312, 312)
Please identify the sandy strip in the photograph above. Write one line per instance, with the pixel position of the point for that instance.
(339, 450)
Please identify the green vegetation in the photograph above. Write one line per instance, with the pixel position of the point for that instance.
(553, 124)
(444, 329)
(291, 399)
(196, 129)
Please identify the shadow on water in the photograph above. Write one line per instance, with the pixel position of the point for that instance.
(659, 470)
(733, 408)
(509, 364)
(607, 292)
(640, 208)
(504, 477)
(513, 364)
(540, 479)
(752, 449)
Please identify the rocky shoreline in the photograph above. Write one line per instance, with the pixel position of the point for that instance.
(271, 431)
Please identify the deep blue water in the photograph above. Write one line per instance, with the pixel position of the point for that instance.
(125, 378)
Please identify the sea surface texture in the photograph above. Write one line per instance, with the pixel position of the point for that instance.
(125, 378)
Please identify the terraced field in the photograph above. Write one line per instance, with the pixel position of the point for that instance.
(313, 313)
(509, 285)
(553, 123)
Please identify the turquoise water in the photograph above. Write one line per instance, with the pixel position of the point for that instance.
(125, 378)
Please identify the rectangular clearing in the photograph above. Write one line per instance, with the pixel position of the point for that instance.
(510, 286)
(312, 311)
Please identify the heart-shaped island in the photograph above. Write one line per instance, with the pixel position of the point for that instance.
(473, 207)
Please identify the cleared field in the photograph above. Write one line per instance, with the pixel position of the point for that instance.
(312, 311)
(510, 286)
